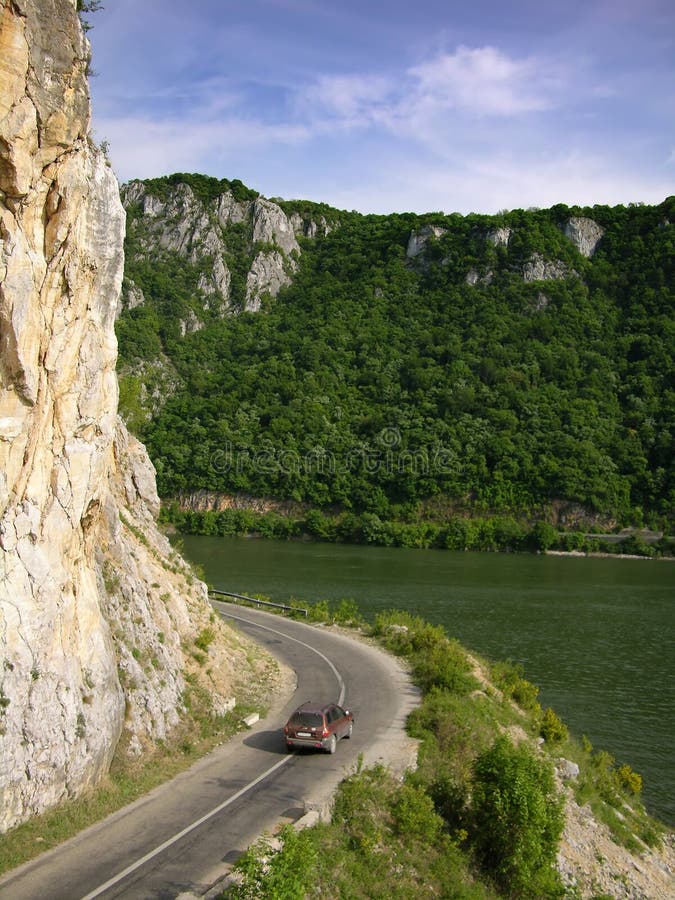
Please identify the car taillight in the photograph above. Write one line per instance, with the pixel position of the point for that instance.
(325, 733)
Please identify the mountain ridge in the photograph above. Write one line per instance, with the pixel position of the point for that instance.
(531, 349)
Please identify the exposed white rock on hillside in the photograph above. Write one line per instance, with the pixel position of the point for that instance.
(197, 229)
(539, 269)
(584, 233)
(95, 608)
(499, 237)
(418, 239)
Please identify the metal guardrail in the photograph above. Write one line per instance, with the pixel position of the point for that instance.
(283, 606)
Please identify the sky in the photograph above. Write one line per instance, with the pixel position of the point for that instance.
(394, 105)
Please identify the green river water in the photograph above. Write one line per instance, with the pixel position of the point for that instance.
(596, 635)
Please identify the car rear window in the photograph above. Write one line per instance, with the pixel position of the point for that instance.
(308, 719)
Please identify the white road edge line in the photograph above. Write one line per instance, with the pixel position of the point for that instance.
(181, 834)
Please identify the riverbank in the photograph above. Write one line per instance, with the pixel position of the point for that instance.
(579, 554)
(494, 533)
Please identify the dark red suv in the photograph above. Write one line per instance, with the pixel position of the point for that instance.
(312, 725)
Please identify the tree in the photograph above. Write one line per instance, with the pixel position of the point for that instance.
(88, 6)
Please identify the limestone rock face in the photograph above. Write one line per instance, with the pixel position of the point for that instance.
(309, 228)
(499, 237)
(266, 276)
(200, 229)
(539, 269)
(271, 225)
(584, 233)
(474, 277)
(95, 608)
(418, 239)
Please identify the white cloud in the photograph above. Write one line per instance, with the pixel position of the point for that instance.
(352, 100)
(440, 100)
(144, 148)
(473, 129)
(485, 81)
(492, 181)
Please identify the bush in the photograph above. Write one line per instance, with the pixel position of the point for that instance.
(347, 612)
(414, 814)
(318, 612)
(629, 780)
(360, 808)
(508, 677)
(543, 536)
(443, 665)
(205, 638)
(517, 820)
(283, 874)
(553, 729)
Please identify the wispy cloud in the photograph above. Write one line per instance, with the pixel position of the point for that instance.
(352, 100)
(481, 81)
(448, 111)
(144, 147)
(485, 81)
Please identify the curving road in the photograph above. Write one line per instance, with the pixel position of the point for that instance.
(183, 836)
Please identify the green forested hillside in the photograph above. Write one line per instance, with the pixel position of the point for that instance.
(379, 380)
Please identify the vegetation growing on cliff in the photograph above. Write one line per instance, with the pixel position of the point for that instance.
(87, 6)
(375, 382)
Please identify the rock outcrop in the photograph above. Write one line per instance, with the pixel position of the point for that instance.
(499, 236)
(539, 269)
(201, 230)
(419, 238)
(97, 613)
(267, 275)
(584, 233)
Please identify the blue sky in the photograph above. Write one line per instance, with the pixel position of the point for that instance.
(390, 106)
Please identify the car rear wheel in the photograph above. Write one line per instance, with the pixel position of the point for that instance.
(332, 744)
(349, 730)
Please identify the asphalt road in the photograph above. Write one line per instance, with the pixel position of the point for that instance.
(183, 836)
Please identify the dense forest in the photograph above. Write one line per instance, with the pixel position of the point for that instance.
(493, 369)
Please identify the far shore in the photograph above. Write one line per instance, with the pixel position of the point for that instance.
(598, 555)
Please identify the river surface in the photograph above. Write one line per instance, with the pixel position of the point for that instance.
(596, 635)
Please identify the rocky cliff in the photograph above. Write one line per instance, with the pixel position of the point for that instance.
(216, 234)
(97, 613)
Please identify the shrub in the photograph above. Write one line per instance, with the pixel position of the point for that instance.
(360, 808)
(282, 874)
(517, 820)
(542, 536)
(205, 638)
(552, 728)
(443, 665)
(509, 678)
(629, 780)
(346, 612)
(414, 814)
(318, 612)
